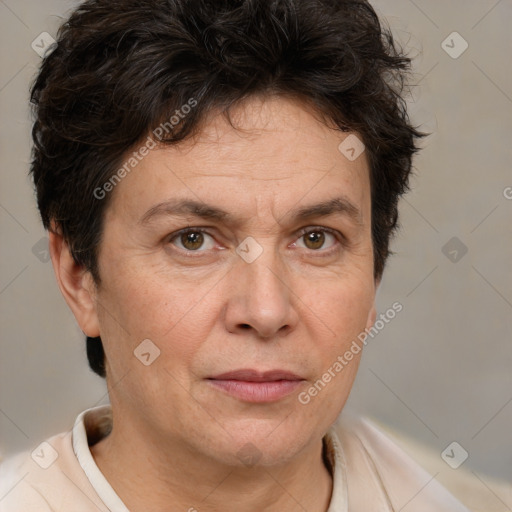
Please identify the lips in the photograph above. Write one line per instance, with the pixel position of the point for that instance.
(256, 376)
(255, 386)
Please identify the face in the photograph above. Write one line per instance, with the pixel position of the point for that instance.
(244, 258)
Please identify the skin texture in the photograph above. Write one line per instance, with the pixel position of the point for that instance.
(297, 307)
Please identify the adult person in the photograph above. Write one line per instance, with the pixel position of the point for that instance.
(220, 183)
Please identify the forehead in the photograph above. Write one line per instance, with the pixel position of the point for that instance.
(274, 154)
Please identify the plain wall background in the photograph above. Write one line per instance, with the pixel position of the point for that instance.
(442, 369)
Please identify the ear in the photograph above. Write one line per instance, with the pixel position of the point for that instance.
(372, 314)
(76, 284)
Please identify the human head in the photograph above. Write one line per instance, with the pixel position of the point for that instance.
(123, 68)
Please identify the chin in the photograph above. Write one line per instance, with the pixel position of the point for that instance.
(251, 443)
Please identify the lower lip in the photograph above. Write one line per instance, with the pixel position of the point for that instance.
(257, 392)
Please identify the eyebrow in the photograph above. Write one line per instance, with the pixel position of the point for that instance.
(182, 207)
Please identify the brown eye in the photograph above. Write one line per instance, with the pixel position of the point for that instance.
(193, 240)
(316, 239)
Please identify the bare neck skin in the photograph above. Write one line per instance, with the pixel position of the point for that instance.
(147, 477)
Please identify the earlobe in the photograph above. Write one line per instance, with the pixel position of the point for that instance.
(76, 284)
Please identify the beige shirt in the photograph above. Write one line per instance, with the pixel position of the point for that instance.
(370, 473)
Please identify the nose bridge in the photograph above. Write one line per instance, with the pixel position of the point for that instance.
(265, 274)
(261, 293)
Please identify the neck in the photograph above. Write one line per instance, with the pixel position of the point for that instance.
(189, 481)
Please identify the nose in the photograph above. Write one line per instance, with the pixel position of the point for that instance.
(260, 298)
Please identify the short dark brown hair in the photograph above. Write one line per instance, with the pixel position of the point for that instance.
(120, 68)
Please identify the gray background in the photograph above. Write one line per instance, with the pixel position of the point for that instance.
(441, 370)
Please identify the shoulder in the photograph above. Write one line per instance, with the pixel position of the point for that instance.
(16, 494)
(371, 456)
(47, 479)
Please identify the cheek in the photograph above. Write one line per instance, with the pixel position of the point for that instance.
(141, 306)
(175, 321)
(149, 301)
(341, 310)
(342, 313)
(336, 356)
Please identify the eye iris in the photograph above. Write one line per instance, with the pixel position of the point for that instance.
(314, 239)
(192, 241)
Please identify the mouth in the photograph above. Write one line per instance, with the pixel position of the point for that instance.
(255, 386)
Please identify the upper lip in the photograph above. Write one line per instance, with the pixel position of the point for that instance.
(257, 376)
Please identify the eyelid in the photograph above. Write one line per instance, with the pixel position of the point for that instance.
(309, 229)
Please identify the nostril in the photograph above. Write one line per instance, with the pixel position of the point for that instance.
(245, 326)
